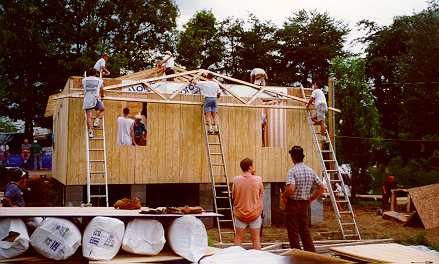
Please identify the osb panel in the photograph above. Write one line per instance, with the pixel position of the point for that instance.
(176, 151)
(426, 201)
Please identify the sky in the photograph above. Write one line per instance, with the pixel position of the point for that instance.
(348, 11)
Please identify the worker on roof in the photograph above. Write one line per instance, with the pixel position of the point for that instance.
(167, 63)
(93, 92)
(258, 76)
(100, 65)
(319, 100)
(298, 197)
(211, 91)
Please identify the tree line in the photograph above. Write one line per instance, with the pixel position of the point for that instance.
(388, 93)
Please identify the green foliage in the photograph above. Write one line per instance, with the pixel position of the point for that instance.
(358, 119)
(43, 42)
(6, 126)
(309, 40)
(199, 45)
(419, 239)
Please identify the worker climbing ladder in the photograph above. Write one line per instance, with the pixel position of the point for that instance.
(97, 184)
(221, 190)
(331, 173)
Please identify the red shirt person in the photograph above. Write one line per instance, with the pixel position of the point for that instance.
(247, 194)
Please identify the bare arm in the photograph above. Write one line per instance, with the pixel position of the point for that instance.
(317, 193)
(132, 134)
(289, 190)
(311, 100)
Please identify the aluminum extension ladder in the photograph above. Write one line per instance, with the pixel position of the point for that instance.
(97, 182)
(221, 191)
(331, 172)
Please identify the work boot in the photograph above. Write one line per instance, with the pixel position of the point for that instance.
(97, 122)
(210, 131)
(215, 129)
(91, 133)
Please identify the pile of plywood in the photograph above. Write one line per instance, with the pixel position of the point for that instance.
(386, 253)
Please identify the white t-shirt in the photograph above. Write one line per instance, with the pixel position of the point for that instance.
(91, 85)
(99, 64)
(319, 97)
(258, 73)
(170, 62)
(123, 130)
(209, 88)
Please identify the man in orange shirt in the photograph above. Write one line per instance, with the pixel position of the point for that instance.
(247, 195)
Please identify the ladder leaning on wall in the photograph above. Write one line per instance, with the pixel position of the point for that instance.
(332, 175)
(221, 191)
(96, 157)
(97, 183)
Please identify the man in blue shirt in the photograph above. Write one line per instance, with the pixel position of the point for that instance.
(14, 189)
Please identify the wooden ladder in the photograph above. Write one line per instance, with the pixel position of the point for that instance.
(221, 191)
(97, 182)
(331, 173)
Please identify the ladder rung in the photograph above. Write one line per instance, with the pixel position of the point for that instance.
(227, 232)
(98, 196)
(223, 209)
(222, 197)
(344, 212)
(225, 220)
(97, 172)
(217, 164)
(221, 185)
(348, 223)
(97, 160)
(96, 138)
(350, 235)
(96, 150)
(335, 180)
(216, 153)
(341, 201)
(214, 143)
(218, 175)
(326, 151)
(329, 160)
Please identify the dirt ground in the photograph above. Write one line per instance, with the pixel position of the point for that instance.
(372, 226)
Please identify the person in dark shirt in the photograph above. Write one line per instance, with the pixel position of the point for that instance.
(138, 131)
(14, 189)
(387, 187)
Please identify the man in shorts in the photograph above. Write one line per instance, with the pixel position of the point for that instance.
(211, 91)
(247, 194)
(93, 92)
(319, 99)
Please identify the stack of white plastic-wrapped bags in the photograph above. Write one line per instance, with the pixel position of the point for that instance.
(58, 238)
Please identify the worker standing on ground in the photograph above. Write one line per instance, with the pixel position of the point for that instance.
(211, 91)
(319, 100)
(36, 153)
(124, 124)
(247, 193)
(100, 65)
(387, 187)
(258, 76)
(18, 182)
(93, 93)
(167, 63)
(298, 197)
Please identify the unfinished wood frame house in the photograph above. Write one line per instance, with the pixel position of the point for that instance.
(261, 123)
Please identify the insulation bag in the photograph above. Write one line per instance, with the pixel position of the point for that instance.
(56, 238)
(102, 238)
(187, 237)
(14, 239)
(144, 236)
